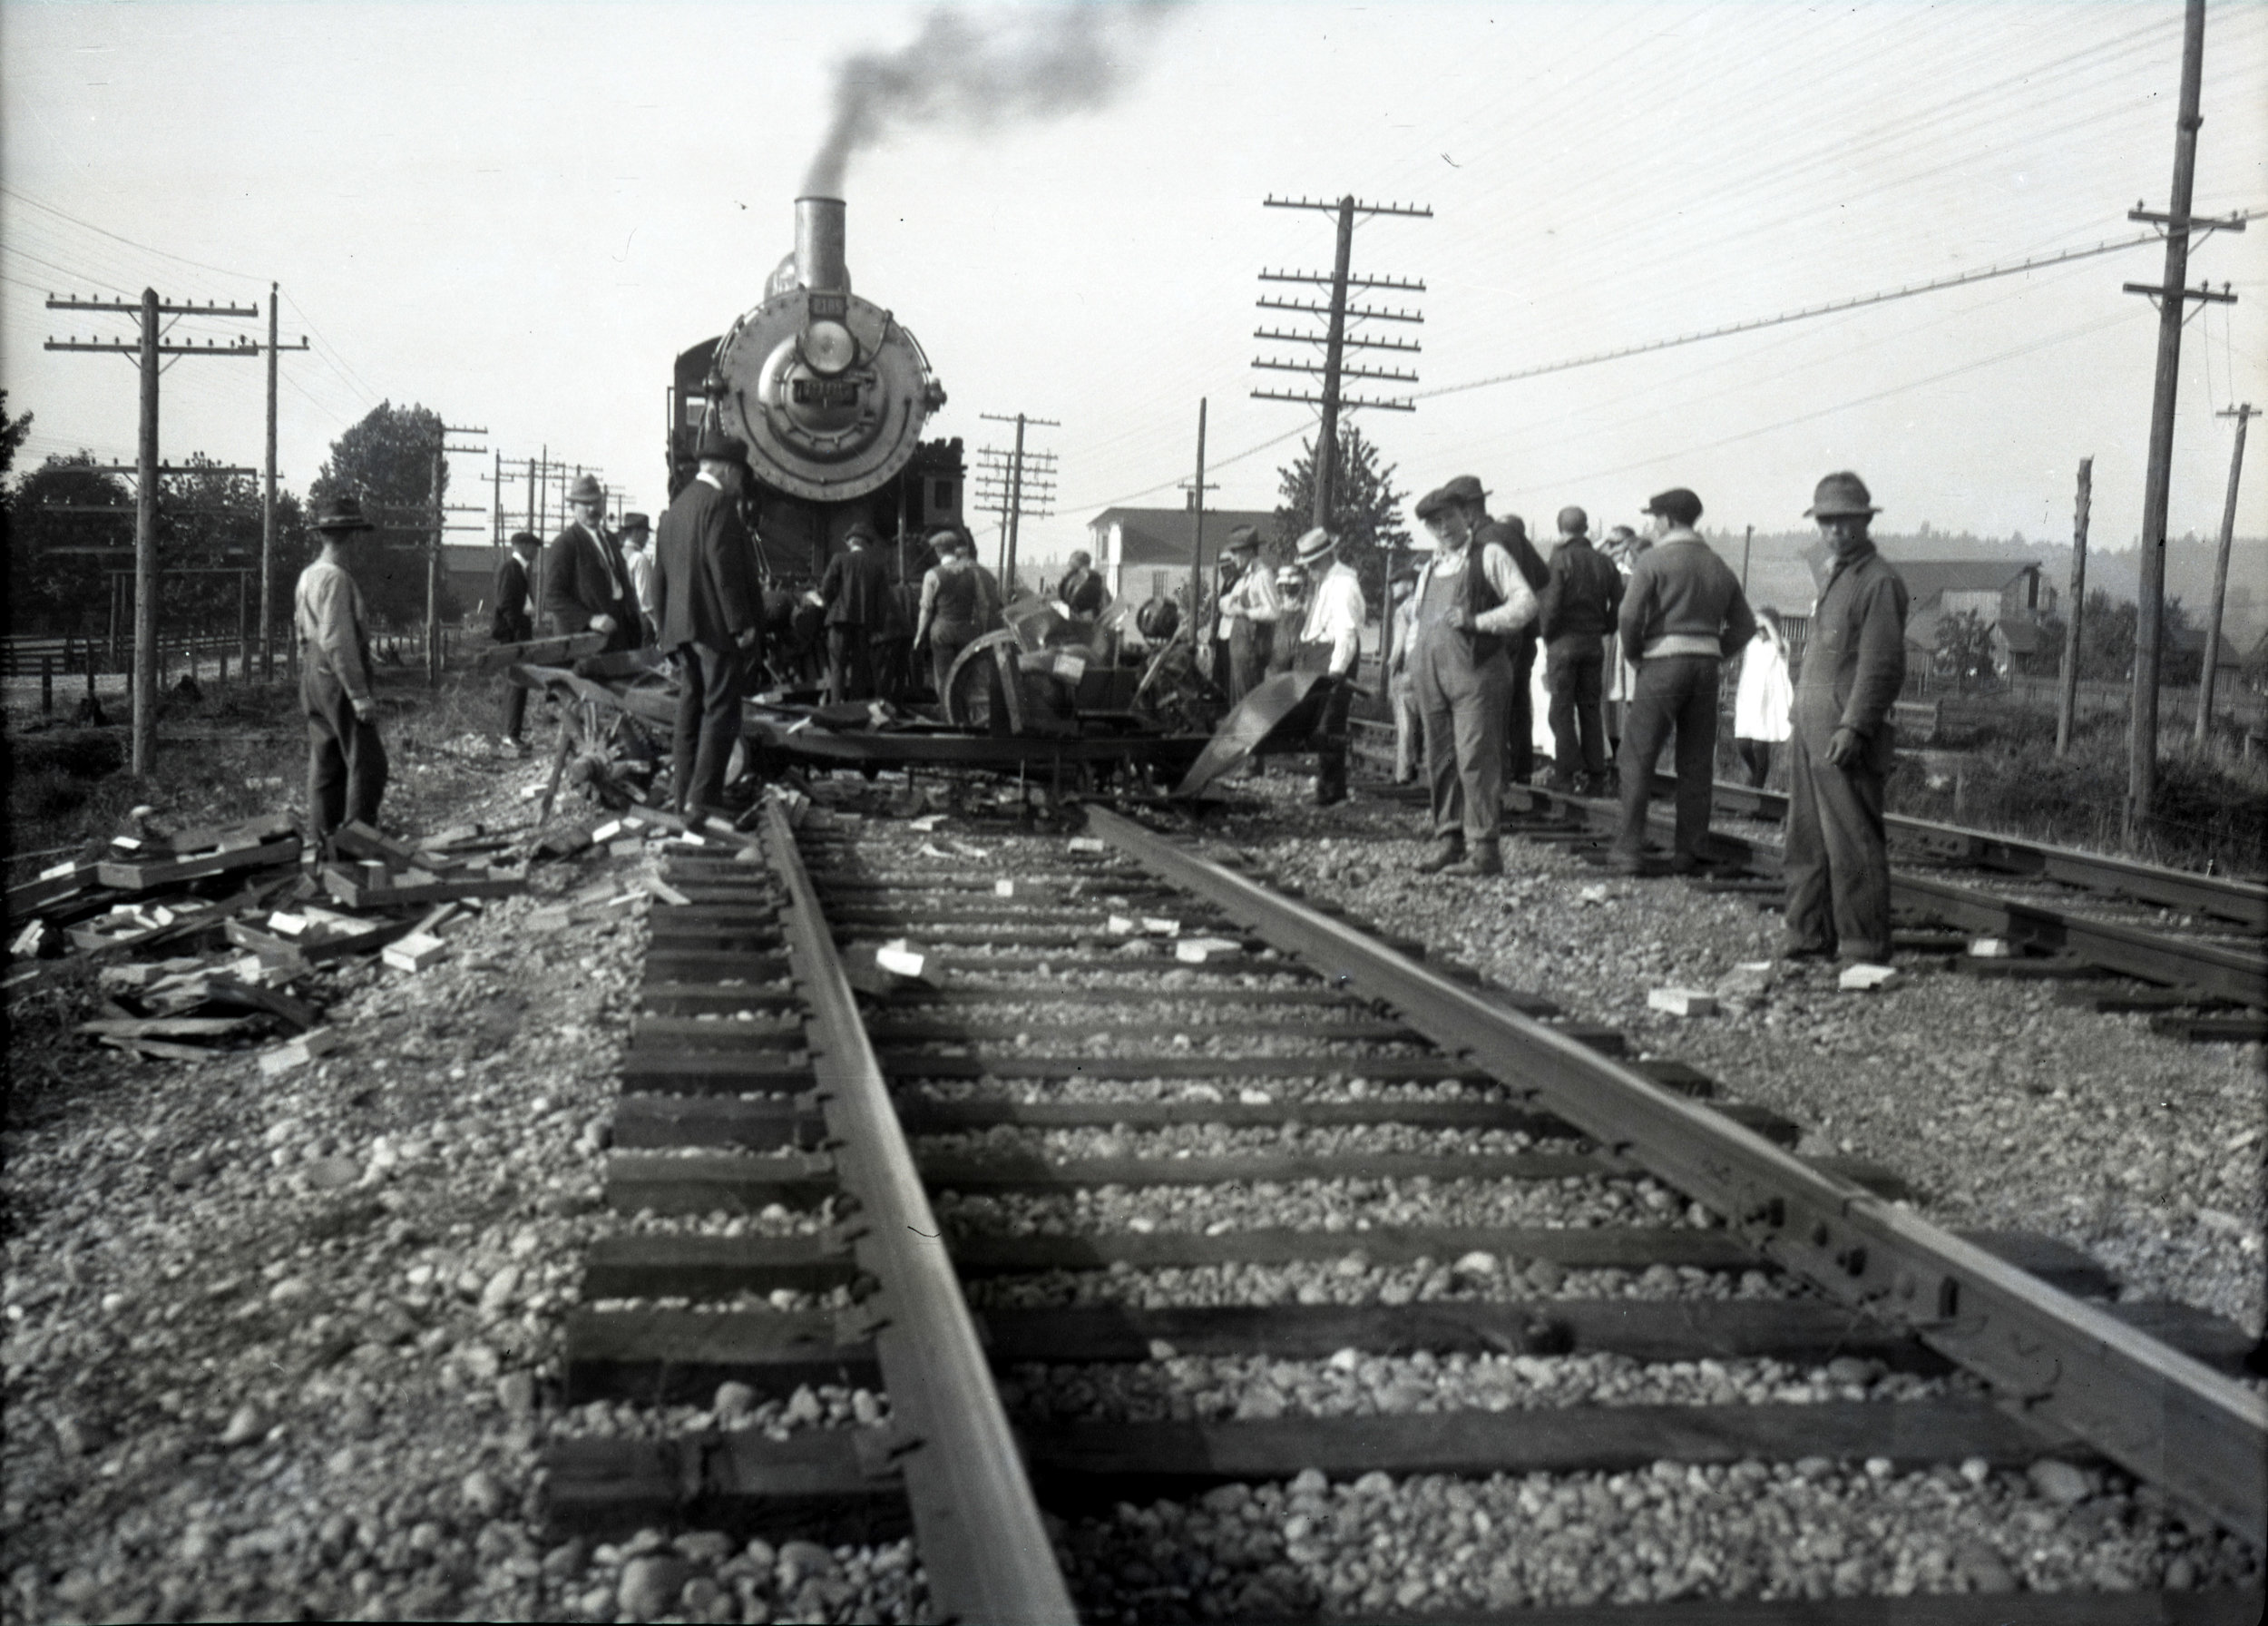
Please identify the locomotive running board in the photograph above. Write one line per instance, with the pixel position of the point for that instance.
(2167, 1418)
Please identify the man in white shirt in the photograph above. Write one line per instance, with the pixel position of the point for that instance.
(1471, 599)
(346, 760)
(637, 544)
(1330, 643)
(1249, 610)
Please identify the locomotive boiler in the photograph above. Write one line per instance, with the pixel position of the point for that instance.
(829, 392)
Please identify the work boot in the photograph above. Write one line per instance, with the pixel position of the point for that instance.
(1485, 858)
(1447, 850)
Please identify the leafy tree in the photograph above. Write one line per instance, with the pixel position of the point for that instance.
(1365, 510)
(388, 461)
(51, 590)
(1964, 648)
(12, 433)
(2107, 642)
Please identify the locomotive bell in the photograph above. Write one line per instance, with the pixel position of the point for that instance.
(827, 390)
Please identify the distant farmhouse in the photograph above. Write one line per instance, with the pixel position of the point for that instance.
(2010, 596)
(1144, 552)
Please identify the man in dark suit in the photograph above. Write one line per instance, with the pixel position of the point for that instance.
(711, 609)
(510, 622)
(586, 582)
(855, 593)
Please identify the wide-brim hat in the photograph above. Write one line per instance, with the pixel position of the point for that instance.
(1315, 545)
(586, 489)
(1842, 493)
(341, 514)
(1244, 539)
(636, 521)
(716, 446)
(1677, 505)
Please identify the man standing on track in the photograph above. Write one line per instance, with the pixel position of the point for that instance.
(1471, 599)
(510, 622)
(1249, 610)
(1331, 642)
(346, 758)
(1573, 613)
(1838, 853)
(854, 591)
(586, 584)
(1683, 615)
(711, 611)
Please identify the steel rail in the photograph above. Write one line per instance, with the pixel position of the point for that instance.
(984, 1547)
(2214, 968)
(2164, 1416)
(2222, 897)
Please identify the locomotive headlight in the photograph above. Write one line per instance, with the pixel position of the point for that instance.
(829, 348)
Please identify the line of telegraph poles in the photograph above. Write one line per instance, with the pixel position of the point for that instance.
(1012, 479)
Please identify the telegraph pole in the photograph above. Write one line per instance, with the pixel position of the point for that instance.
(2067, 702)
(1196, 528)
(2242, 415)
(2171, 297)
(433, 559)
(1007, 471)
(267, 504)
(1335, 338)
(146, 352)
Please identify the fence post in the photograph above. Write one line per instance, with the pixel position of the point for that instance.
(46, 684)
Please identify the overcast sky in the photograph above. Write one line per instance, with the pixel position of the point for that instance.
(517, 214)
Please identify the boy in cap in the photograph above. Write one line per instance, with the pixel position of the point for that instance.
(346, 758)
(1683, 614)
(1471, 601)
(710, 608)
(1839, 758)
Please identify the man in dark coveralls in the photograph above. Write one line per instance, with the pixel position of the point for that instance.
(711, 609)
(1510, 533)
(510, 622)
(855, 592)
(586, 581)
(346, 760)
(1838, 857)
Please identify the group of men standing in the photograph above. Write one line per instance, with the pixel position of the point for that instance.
(1467, 629)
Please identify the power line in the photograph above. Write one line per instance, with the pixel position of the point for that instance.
(115, 237)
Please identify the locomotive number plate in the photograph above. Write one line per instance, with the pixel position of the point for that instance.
(830, 305)
(825, 392)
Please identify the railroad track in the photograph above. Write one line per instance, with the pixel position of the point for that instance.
(2195, 939)
(1284, 1231)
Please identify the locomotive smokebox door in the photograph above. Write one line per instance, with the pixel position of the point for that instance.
(827, 390)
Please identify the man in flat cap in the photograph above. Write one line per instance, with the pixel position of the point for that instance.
(636, 542)
(1574, 612)
(586, 582)
(1510, 533)
(711, 609)
(1469, 601)
(346, 758)
(1330, 643)
(1683, 615)
(854, 591)
(1838, 855)
(1248, 612)
(510, 622)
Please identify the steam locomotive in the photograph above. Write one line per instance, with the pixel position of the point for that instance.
(829, 393)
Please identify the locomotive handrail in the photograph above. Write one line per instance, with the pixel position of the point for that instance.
(983, 1544)
(2161, 1415)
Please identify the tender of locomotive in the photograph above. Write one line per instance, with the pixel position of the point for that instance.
(829, 392)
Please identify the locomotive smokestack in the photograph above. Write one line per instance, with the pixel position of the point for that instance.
(819, 245)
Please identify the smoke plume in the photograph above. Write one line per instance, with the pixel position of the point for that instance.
(974, 72)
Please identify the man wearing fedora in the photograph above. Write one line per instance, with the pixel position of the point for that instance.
(1330, 644)
(1469, 601)
(710, 608)
(1838, 855)
(346, 758)
(1510, 533)
(1249, 610)
(1683, 616)
(586, 582)
(855, 592)
(510, 622)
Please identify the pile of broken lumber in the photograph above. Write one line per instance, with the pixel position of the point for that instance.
(205, 938)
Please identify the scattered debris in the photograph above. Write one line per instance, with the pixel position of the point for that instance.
(1867, 979)
(1682, 1001)
(1991, 948)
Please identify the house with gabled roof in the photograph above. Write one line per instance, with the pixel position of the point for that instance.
(1144, 552)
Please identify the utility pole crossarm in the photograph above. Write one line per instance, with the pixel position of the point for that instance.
(1270, 395)
(1392, 284)
(2233, 221)
(135, 307)
(1354, 312)
(1388, 376)
(120, 347)
(1332, 205)
(1410, 345)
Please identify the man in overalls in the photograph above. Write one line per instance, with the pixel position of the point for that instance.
(1330, 643)
(1471, 599)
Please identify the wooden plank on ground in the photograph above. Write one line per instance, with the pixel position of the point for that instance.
(1009, 1063)
(145, 877)
(683, 998)
(814, 1484)
(702, 1072)
(541, 652)
(357, 892)
(665, 963)
(692, 1033)
(762, 1124)
(949, 1030)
